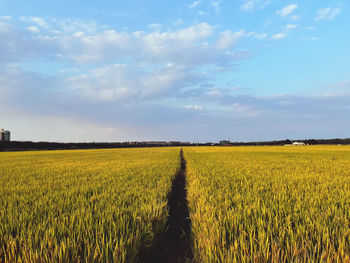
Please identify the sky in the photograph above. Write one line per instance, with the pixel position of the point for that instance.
(199, 71)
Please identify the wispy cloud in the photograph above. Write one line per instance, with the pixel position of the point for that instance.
(216, 5)
(260, 36)
(228, 39)
(202, 13)
(287, 10)
(327, 13)
(249, 5)
(156, 26)
(291, 26)
(39, 21)
(33, 29)
(194, 107)
(195, 3)
(6, 17)
(278, 36)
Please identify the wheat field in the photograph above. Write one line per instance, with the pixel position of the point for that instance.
(270, 204)
(83, 205)
(246, 204)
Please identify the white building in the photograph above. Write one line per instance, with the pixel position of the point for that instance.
(298, 143)
(5, 135)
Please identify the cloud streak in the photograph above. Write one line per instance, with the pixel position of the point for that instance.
(278, 36)
(216, 6)
(327, 13)
(228, 39)
(249, 5)
(287, 10)
(195, 4)
(291, 26)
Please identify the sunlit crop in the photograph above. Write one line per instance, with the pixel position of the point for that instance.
(247, 204)
(270, 204)
(83, 206)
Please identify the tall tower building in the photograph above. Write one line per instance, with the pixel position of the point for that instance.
(5, 135)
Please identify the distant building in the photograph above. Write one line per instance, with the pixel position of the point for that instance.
(298, 143)
(5, 135)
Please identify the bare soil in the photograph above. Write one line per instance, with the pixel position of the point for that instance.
(174, 245)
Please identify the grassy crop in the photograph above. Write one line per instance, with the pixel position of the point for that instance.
(83, 205)
(270, 204)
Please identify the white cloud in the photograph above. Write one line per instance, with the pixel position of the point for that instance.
(287, 10)
(260, 36)
(195, 3)
(19, 44)
(143, 81)
(121, 70)
(78, 34)
(80, 44)
(33, 29)
(327, 13)
(216, 5)
(248, 5)
(34, 101)
(122, 82)
(155, 26)
(182, 44)
(202, 13)
(291, 26)
(39, 21)
(215, 91)
(194, 107)
(69, 26)
(228, 39)
(279, 36)
(6, 17)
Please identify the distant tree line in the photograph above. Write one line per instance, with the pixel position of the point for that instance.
(287, 141)
(28, 145)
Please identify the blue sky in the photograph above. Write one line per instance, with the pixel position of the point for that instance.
(200, 70)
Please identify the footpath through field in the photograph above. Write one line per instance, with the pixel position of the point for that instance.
(175, 244)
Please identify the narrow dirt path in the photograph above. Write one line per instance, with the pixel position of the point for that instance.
(174, 245)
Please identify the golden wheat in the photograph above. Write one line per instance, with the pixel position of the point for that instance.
(83, 205)
(270, 204)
